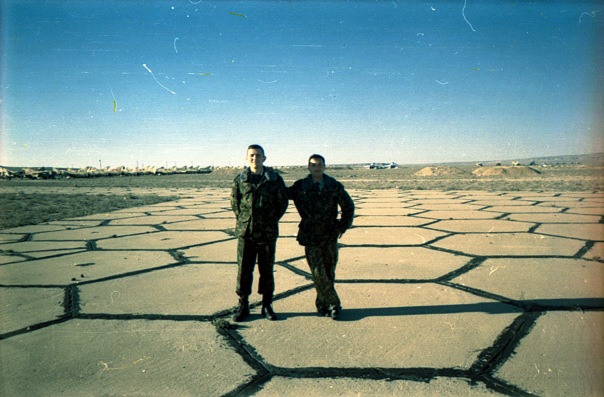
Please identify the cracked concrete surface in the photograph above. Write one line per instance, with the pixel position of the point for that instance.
(444, 293)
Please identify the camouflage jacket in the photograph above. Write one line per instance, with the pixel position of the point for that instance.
(258, 206)
(319, 209)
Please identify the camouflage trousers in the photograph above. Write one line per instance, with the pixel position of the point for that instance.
(247, 253)
(322, 260)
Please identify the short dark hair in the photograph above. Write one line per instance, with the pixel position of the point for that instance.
(316, 157)
(256, 147)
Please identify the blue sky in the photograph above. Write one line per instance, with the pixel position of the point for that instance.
(195, 82)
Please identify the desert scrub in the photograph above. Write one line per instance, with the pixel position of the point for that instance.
(20, 209)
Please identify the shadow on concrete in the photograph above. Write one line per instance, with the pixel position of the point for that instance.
(539, 305)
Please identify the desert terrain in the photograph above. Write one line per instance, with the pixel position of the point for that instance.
(27, 201)
(455, 280)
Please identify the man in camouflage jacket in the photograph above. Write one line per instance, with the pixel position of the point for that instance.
(259, 200)
(317, 198)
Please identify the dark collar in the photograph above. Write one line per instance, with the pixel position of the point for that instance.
(308, 182)
(267, 173)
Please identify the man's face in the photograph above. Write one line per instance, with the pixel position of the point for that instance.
(316, 168)
(255, 158)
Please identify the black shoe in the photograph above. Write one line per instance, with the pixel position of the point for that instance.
(268, 313)
(241, 314)
(323, 312)
(335, 312)
(243, 311)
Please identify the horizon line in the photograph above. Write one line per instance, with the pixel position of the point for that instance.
(461, 162)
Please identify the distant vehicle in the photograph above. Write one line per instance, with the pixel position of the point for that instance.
(381, 166)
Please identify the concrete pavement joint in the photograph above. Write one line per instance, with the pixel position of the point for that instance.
(535, 305)
(132, 273)
(503, 387)
(484, 370)
(146, 316)
(294, 269)
(492, 358)
(71, 301)
(472, 264)
(588, 246)
(34, 327)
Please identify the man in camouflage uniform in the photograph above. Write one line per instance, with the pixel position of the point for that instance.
(317, 198)
(259, 200)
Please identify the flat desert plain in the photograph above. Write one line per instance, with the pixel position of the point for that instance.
(453, 283)
(24, 201)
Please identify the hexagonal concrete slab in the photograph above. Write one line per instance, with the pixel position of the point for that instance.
(389, 211)
(11, 238)
(444, 202)
(153, 220)
(228, 214)
(510, 244)
(469, 214)
(92, 233)
(389, 236)
(288, 248)
(288, 229)
(192, 290)
(23, 307)
(164, 240)
(429, 194)
(180, 212)
(202, 224)
(481, 226)
(43, 248)
(449, 207)
(73, 223)
(137, 357)
(104, 217)
(223, 251)
(375, 220)
(550, 282)
(81, 267)
(503, 202)
(290, 216)
(342, 386)
(520, 209)
(555, 218)
(596, 252)
(481, 195)
(590, 231)
(599, 210)
(413, 263)
(546, 198)
(423, 291)
(561, 356)
(4, 259)
(32, 229)
(382, 325)
(570, 204)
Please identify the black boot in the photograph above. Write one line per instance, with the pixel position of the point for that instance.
(243, 310)
(267, 310)
(335, 312)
